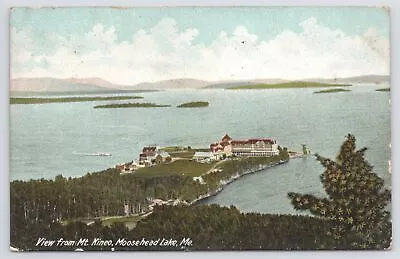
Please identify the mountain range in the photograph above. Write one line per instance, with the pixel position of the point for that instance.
(20, 85)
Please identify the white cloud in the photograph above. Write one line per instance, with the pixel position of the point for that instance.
(164, 52)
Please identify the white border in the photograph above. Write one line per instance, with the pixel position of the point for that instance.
(4, 125)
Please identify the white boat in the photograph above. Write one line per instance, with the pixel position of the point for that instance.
(92, 154)
(104, 154)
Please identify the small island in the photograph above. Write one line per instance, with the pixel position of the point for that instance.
(130, 105)
(335, 90)
(37, 100)
(294, 84)
(193, 104)
(383, 90)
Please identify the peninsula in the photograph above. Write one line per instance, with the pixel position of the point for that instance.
(193, 104)
(334, 90)
(130, 105)
(293, 84)
(383, 90)
(36, 100)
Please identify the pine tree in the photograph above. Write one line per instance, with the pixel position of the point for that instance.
(356, 201)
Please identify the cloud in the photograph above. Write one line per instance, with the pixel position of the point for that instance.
(165, 52)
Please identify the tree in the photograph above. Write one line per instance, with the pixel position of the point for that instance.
(356, 200)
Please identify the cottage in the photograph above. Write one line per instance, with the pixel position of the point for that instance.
(163, 157)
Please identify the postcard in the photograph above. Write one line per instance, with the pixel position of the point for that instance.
(200, 128)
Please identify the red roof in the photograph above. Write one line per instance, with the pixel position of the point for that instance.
(226, 137)
(254, 141)
(149, 149)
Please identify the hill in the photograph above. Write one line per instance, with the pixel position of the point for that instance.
(179, 83)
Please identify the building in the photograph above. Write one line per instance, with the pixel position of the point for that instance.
(203, 156)
(148, 155)
(250, 147)
(163, 157)
(222, 147)
(255, 147)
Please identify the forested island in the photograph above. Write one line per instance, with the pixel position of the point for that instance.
(193, 104)
(36, 100)
(335, 90)
(130, 105)
(294, 84)
(383, 90)
(352, 214)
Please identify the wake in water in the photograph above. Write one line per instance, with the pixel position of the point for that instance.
(91, 154)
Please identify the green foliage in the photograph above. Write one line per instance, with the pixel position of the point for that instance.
(356, 199)
(383, 90)
(58, 208)
(193, 104)
(335, 90)
(130, 105)
(31, 100)
(293, 84)
(211, 227)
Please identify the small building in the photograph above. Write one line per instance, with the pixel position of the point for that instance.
(163, 157)
(203, 156)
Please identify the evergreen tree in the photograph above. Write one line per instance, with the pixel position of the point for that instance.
(356, 201)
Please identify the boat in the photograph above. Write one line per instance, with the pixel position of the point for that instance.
(104, 154)
(92, 154)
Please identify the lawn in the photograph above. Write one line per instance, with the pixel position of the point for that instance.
(178, 167)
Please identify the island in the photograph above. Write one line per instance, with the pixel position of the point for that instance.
(335, 90)
(383, 90)
(193, 104)
(294, 84)
(37, 100)
(130, 105)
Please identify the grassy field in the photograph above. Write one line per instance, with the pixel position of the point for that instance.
(29, 100)
(383, 90)
(129, 105)
(193, 104)
(294, 84)
(335, 90)
(179, 167)
(182, 154)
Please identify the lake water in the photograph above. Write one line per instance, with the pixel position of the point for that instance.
(46, 137)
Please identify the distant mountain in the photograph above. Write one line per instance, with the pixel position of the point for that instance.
(368, 79)
(94, 81)
(51, 85)
(180, 83)
(55, 85)
(229, 84)
(94, 84)
(373, 79)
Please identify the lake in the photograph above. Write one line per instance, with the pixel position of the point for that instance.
(46, 138)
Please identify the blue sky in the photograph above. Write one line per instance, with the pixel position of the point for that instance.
(40, 36)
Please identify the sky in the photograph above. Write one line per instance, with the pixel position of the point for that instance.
(133, 45)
